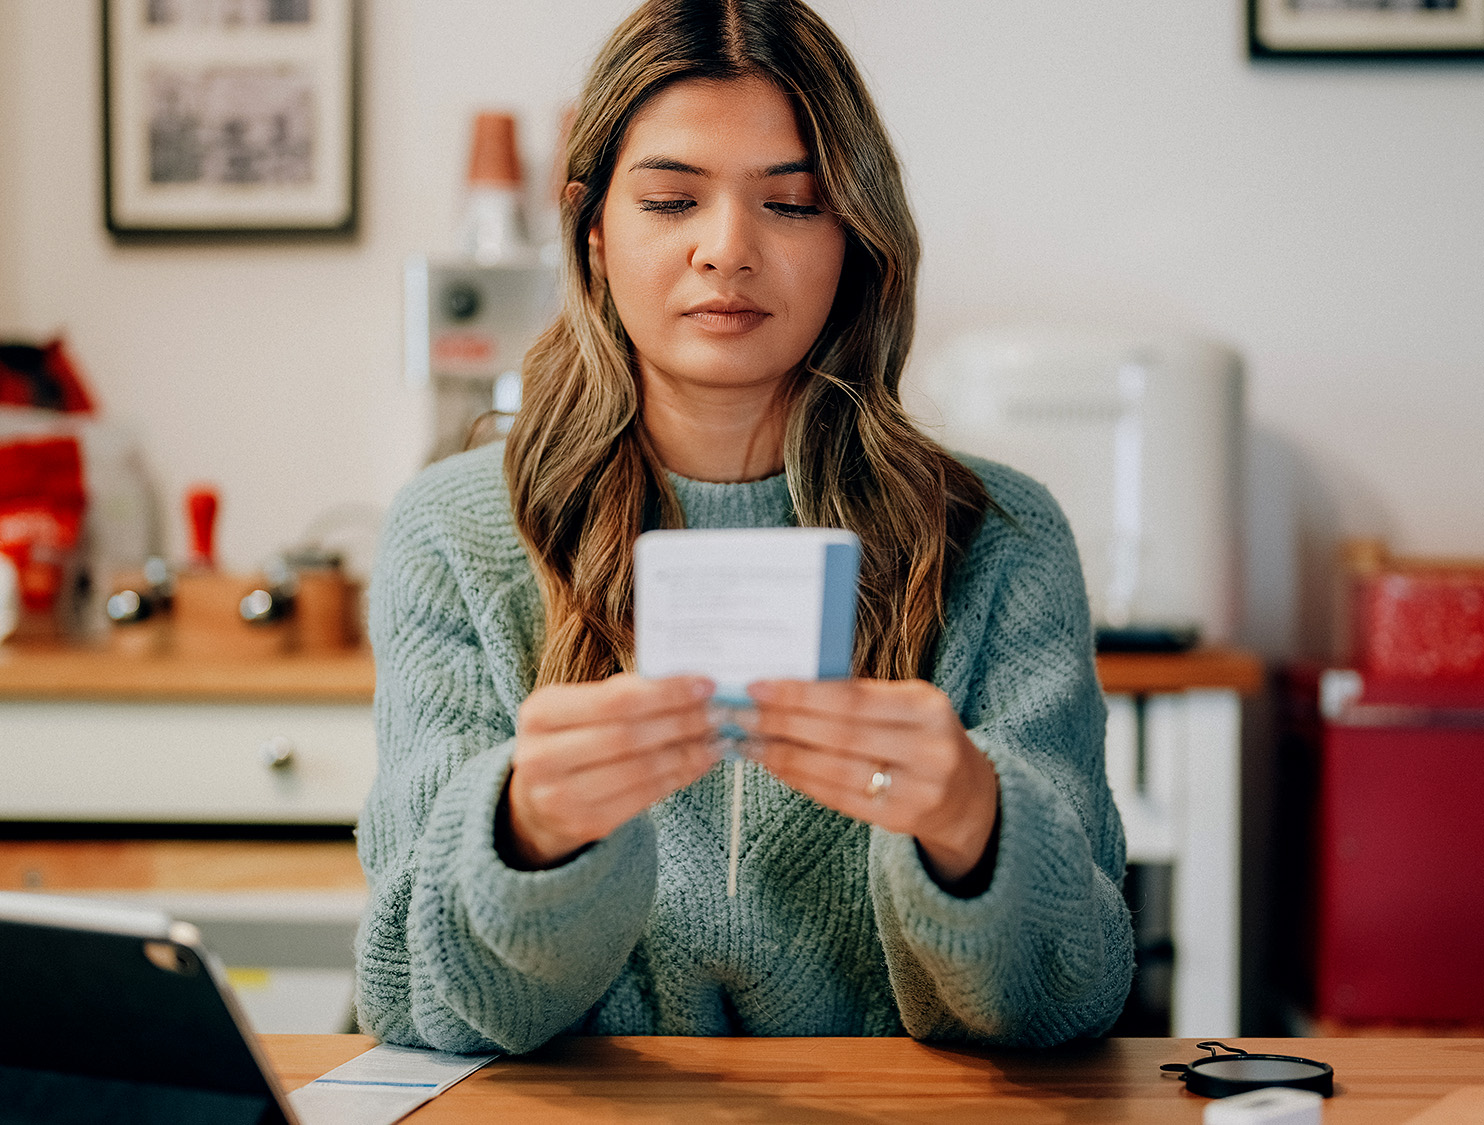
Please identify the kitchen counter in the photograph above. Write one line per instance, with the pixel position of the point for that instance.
(37, 672)
(56, 673)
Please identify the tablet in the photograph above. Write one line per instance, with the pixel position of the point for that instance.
(111, 1013)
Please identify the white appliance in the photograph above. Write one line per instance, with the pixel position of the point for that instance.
(1138, 438)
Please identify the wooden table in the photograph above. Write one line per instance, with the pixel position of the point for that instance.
(892, 1080)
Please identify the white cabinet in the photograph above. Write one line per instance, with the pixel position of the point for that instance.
(1175, 773)
(1174, 765)
(185, 762)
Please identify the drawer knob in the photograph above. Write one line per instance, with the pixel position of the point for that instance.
(278, 752)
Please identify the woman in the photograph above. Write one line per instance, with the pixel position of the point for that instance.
(931, 846)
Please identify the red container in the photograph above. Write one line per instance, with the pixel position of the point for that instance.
(1415, 619)
(1399, 908)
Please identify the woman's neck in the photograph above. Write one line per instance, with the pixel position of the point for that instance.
(721, 434)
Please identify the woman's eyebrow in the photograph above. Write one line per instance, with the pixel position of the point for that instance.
(666, 164)
(670, 164)
(787, 168)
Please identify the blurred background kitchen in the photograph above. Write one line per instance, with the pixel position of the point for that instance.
(1124, 174)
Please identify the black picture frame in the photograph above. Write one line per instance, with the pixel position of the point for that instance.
(1366, 29)
(229, 118)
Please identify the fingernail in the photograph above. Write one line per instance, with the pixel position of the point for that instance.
(730, 729)
(702, 689)
(762, 691)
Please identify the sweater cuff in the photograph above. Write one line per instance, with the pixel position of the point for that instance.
(1042, 873)
(536, 921)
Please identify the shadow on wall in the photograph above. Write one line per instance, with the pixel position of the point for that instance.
(1297, 509)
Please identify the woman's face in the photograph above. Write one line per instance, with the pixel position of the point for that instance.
(719, 258)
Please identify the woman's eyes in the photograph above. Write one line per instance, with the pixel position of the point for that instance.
(666, 206)
(679, 206)
(794, 210)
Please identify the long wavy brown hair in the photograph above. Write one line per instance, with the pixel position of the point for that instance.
(585, 480)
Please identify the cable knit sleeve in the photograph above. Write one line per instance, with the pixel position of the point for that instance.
(458, 951)
(1045, 954)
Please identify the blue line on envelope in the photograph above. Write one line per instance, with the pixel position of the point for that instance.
(837, 617)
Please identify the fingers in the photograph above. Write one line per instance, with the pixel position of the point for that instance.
(549, 820)
(587, 805)
(590, 756)
(843, 783)
(616, 699)
(830, 740)
(602, 744)
(899, 723)
(877, 701)
(851, 737)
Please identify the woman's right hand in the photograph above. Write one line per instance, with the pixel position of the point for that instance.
(589, 757)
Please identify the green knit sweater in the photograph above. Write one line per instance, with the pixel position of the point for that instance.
(836, 928)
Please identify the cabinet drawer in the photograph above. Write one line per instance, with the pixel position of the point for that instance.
(185, 762)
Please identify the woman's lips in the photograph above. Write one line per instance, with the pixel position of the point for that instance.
(727, 322)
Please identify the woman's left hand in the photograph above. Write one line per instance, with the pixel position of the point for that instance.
(837, 741)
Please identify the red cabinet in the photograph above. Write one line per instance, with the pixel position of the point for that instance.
(1398, 904)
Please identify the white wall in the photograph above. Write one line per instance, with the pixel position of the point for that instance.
(1113, 163)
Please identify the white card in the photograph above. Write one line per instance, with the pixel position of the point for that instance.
(381, 1086)
(745, 604)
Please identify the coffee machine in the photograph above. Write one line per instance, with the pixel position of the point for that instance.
(1138, 437)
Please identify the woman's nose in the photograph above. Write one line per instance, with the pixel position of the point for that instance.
(726, 241)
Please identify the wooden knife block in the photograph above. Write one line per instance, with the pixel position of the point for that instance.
(207, 622)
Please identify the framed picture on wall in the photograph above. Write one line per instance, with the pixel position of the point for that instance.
(229, 116)
(1366, 28)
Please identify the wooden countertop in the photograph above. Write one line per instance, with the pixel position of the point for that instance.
(63, 673)
(180, 866)
(1134, 673)
(682, 1080)
(96, 674)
